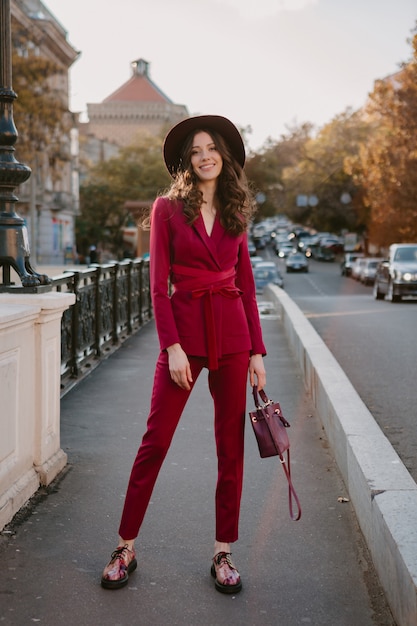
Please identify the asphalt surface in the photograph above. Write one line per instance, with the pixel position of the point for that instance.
(315, 571)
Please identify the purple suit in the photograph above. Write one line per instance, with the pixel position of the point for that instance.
(213, 314)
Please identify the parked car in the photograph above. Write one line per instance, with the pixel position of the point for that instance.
(285, 249)
(332, 242)
(305, 244)
(267, 264)
(251, 248)
(280, 239)
(256, 259)
(396, 276)
(296, 262)
(357, 266)
(348, 260)
(368, 271)
(265, 275)
(322, 252)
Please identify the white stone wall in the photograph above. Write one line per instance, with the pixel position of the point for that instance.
(30, 359)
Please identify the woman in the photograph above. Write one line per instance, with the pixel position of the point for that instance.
(198, 243)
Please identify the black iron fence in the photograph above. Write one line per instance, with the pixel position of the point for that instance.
(112, 302)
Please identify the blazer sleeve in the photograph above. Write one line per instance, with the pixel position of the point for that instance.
(159, 266)
(246, 282)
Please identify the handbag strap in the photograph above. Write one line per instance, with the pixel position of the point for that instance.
(286, 466)
(292, 494)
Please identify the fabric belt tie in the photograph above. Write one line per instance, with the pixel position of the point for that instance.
(203, 284)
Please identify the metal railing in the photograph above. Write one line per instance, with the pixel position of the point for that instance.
(112, 302)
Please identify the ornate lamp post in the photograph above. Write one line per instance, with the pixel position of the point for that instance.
(14, 241)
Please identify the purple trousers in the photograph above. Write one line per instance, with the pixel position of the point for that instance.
(227, 386)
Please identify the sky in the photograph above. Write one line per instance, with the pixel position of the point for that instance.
(267, 64)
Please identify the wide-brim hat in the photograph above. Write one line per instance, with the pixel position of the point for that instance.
(176, 137)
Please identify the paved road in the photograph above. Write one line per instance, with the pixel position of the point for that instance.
(316, 571)
(373, 341)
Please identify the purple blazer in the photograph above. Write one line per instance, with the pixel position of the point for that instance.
(183, 316)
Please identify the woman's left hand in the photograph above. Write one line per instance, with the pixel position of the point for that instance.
(257, 369)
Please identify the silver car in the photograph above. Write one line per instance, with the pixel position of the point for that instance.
(397, 276)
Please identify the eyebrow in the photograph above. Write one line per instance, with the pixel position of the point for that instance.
(209, 144)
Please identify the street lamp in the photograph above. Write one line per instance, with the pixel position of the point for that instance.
(14, 241)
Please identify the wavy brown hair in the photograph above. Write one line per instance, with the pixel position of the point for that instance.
(233, 197)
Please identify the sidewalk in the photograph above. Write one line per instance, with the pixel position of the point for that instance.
(316, 571)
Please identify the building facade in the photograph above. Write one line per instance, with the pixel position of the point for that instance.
(49, 200)
(138, 106)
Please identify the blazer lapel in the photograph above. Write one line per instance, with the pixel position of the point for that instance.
(209, 241)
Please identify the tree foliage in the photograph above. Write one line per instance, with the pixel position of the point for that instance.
(311, 164)
(265, 170)
(387, 163)
(359, 170)
(137, 173)
(41, 115)
(320, 175)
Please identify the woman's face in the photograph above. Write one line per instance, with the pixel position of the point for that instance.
(206, 161)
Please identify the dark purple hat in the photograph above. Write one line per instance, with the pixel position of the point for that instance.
(174, 140)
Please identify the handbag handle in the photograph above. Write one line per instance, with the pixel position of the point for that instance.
(292, 495)
(263, 396)
(266, 402)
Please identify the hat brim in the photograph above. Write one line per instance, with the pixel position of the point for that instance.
(174, 140)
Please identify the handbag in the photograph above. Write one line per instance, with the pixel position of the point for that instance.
(270, 428)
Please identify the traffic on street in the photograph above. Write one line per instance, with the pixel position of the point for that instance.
(373, 341)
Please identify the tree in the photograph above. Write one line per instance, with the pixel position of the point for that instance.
(41, 113)
(321, 175)
(387, 166)
(137, 173)
(43, 121)
(265, 170)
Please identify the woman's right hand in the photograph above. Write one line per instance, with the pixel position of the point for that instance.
(179, 367)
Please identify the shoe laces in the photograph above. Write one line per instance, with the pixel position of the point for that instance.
(223, 558)
(118, 553)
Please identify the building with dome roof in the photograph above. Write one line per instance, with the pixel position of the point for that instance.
(137, 106)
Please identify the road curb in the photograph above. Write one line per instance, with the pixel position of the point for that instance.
(381, 489)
